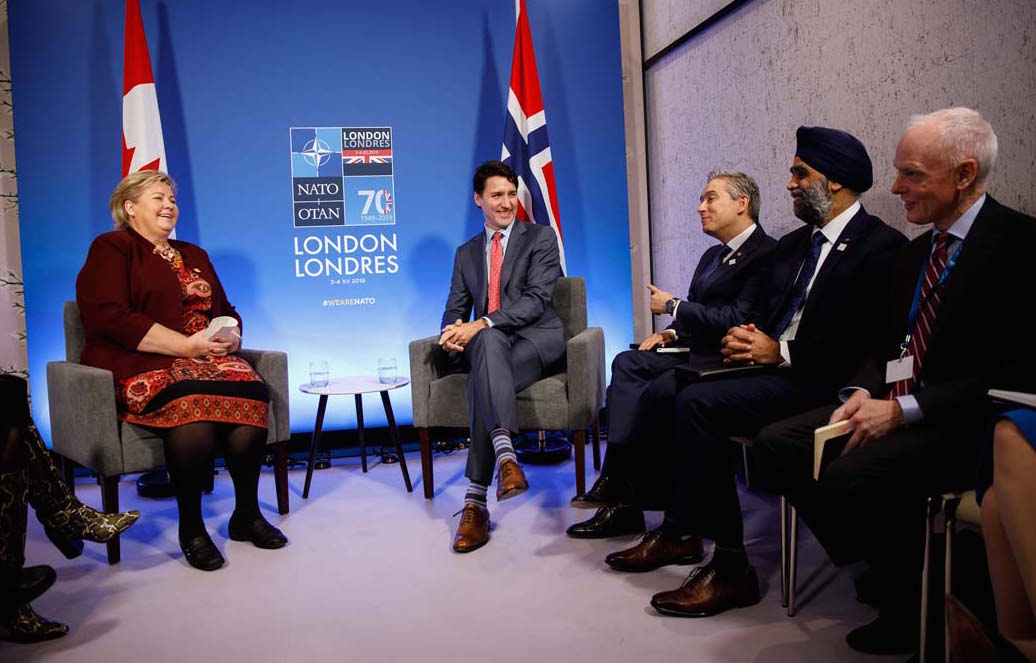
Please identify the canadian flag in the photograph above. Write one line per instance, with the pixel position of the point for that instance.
(142, 144)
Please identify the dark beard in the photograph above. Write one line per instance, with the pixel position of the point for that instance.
(814, 204)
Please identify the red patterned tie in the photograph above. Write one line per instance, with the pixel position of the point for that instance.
(496, 264)
(922, 331)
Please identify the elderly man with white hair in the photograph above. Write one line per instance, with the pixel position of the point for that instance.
(918, 408)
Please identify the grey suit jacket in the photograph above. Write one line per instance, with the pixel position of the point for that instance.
(531, 269)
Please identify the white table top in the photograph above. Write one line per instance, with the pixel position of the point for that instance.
(353, 384)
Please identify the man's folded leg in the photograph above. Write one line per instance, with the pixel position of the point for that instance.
(635, 475)
(499, 367)
(705, 499)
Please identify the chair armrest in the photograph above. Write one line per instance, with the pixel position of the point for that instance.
(272, 366)
(585, 376)
(83, 423)
(424, 369)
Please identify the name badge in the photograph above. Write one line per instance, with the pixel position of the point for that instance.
(841, 247)
(899, 369)
(732, 261)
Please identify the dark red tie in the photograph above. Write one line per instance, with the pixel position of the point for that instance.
(922, 331)
(496, 264)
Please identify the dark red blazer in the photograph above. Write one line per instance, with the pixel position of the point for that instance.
(124, 288)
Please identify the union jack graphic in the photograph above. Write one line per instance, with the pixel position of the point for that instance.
(526, 148)
(367, 156)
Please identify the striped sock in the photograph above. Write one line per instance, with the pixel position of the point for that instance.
(502, 446)
(476, 494)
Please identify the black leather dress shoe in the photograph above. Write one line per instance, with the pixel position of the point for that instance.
(606, 491)
(201, 553)
(256, 530)
(709, 590)
(20, 586)
(887, 635)
(609, 521)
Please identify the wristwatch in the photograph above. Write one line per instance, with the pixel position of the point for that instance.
(670, 305)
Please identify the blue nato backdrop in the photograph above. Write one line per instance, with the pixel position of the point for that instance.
(256, 97)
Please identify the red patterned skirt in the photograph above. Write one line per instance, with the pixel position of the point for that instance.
(216, 389)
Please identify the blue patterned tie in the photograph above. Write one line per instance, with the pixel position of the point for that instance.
(716, 261)
(798, 293)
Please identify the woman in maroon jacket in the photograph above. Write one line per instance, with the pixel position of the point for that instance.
(146, 302)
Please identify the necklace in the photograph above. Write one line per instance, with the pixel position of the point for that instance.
(167, 252)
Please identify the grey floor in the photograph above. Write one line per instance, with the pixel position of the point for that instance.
(369, 576)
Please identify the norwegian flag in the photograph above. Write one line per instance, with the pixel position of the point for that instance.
(142, 144)
(526, 147)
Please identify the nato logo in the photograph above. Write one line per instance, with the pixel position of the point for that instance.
(342, 176)
(317, 192)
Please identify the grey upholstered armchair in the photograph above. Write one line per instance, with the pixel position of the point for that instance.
(85, 429)
(566, 401)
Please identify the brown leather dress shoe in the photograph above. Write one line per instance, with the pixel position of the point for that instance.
(510, 481)
(473, 530)
(655, 551)
(709, 591)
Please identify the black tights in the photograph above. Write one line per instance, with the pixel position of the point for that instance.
(188, 456)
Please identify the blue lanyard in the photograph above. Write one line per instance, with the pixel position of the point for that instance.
(915, 307)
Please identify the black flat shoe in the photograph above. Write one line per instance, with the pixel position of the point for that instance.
(25, 626)
(24, 585)
(201, 553)
(258, 531)
(609, 521)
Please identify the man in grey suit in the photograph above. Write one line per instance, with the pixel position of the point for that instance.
(506, 274)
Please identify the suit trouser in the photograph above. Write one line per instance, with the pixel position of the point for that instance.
(706, 414)
(640, 407)
(499, 366)
(633, 372)
(869, 503)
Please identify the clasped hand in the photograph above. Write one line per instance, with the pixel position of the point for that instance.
(456, 337)
(746, 344)
(869, 418)
(199, 346)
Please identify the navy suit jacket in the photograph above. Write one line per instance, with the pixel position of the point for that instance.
(530, 271)
(727, 297)
(986, 295)
(838, 322)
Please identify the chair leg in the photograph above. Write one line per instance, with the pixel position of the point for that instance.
(950, 513)
(579, 442)
(280, 476)
(784, 552)
(110, 504)
(68, 474)
(744, 458)
(793, 558)
(595, 436)
(929, 517)
(426, 463)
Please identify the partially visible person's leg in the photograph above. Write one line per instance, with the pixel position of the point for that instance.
(65, 519)
(1007, 513)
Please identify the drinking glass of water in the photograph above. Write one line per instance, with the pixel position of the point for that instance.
(387, 370)
(319, 375)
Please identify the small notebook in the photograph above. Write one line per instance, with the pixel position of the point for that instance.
(1020, 397)
(222, 328)
(663, 349)
(822, 450)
